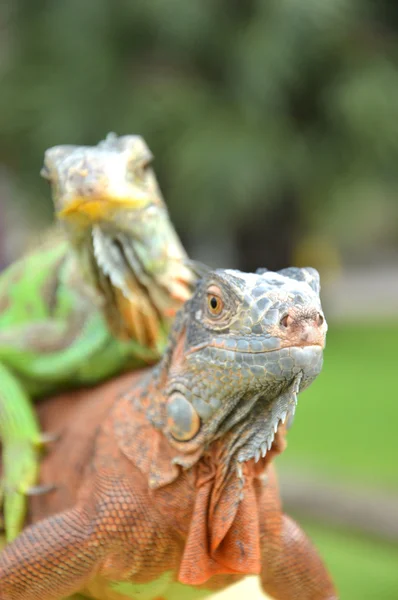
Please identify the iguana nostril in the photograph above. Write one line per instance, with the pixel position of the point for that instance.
(286, 320)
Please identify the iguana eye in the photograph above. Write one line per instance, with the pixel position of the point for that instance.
(215, 304)
(137, 170)
(141, 165)
(143, 168)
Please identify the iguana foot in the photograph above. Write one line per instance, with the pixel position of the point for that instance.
(21, 467)
(19, 428)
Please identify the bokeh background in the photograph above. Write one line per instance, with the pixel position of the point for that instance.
(274, 124)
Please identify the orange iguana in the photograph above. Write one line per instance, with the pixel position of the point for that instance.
(167, 491)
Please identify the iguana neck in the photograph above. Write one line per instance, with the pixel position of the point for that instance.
(139, 274)
(111, 296)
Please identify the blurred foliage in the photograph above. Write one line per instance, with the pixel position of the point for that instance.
(247, 104)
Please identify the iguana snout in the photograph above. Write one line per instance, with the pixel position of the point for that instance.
(302, 327)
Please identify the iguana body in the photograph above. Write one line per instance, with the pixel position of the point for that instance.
(93, 301)
(163, 496)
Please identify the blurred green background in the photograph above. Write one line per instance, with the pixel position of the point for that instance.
(274, 124)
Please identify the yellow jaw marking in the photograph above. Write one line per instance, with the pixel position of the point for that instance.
(99, 208)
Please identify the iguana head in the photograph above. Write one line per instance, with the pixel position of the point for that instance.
(103, 183)
(109, 202)
(247, 344)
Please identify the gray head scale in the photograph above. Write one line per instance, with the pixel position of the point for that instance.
(252, 342)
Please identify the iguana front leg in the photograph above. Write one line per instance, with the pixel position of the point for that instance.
(291, 566)
(19, 430)
(50, 560)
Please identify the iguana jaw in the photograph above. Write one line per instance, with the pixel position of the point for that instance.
(266, 418)
(251, 419)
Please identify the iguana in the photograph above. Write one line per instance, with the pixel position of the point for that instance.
(95, 299)
(167, 490)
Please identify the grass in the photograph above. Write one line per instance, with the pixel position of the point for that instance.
(362, 569)
(346, 429)
(346, 422)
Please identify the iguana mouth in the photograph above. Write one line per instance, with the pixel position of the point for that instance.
(270, 365)
(94, 208)
(272, 343)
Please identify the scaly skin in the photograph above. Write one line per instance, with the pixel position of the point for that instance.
(163, 495)
(109, 202)
(59, 324)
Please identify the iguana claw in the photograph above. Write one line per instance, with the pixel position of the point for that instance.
(45, 438)
(39, 490)
(15, 489)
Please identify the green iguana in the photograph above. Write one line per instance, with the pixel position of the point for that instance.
(162, 494)
(95, 300)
